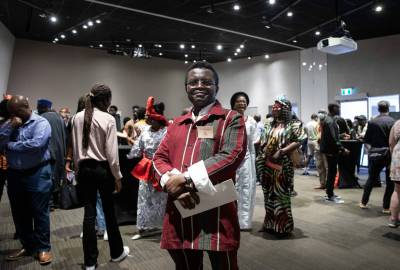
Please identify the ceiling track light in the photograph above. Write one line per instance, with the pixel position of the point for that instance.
(229, 59)
(84, 26)
(271, 2)
(90, 23)
(236, 7)
(266, 56)
(53, 19)
(193, 46)
(74, 31)
(378, 8)
(98, 21)
(182, 46)
(219, 47)
(289, 14)
(317, 33)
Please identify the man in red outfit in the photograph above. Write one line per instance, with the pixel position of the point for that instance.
(201, 149)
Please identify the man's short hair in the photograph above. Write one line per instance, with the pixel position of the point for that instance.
(332, 106)
(314, 116)
(383, 106)
(114, 107)
(205, 65)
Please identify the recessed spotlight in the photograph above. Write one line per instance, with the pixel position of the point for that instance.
(62, 36)
(294, 40)
(182, 46)
(229, 59)
(56, 39)
(53, 19)
(266, 56)
(91, 46)
(317, 33)
(194, 61)
(304, 64)
(378, 8)
(241, 46)
(90, 23)
(74, 31)
(271, 2)
(101, 45)
(238, 50)
(236, 7)
(98, 21)
(219, 47)
(186, 62)
(193, 46)
(117, 45)
(268, 26)
(84, 26)
(249, 57)
(140, 45)
(160, 54)
(186, 56)
(289, 14)
(235, 53)
(128, 40)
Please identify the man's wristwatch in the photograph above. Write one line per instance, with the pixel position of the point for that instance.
(188, 179)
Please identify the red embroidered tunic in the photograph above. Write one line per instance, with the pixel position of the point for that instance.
(218, 228)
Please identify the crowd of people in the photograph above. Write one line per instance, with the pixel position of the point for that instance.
(180, 160)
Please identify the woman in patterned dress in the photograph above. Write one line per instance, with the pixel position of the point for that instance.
(246, 174)
(394, 144)
(151, 200)
(282, 136)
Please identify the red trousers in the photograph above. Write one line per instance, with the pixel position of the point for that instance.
(188, 259)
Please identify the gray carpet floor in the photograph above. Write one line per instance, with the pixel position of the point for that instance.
(326, 236)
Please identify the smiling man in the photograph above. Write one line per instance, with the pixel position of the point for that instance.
(201, 149)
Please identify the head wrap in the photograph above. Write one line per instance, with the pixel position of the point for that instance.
(44, 103)
(151, 112)
(285, 113)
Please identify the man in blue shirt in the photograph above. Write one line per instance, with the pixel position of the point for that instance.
(25, 139)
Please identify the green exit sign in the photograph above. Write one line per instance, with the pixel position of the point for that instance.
(347, 91)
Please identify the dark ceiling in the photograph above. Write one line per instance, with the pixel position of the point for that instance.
(126, 24)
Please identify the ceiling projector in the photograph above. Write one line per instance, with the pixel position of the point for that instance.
(337, 45)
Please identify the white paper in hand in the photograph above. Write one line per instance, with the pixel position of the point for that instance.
(225, 193)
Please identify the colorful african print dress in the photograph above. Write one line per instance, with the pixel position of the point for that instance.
(277, 175)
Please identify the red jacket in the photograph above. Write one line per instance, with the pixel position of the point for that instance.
(216, 229)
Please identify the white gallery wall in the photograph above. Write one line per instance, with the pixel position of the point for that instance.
(314, 88)
(373, 69)
(262, 79)
(64, 73)
(6, 54)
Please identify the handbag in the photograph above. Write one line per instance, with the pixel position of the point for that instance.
(296, 157)
(70, 196)
(378, 153)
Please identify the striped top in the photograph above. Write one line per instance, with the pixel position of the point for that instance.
(218, 228)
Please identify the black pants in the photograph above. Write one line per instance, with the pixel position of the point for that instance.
(374, 169)
(188, 259)
(96, 176)
(332, 170)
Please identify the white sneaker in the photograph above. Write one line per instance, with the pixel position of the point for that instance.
(124, 254)
(105, 236)
(90, 267)
(334, 199)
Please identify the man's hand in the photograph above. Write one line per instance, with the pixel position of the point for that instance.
(175, 185)
(188, 200)
(16, 122)
(118, 185)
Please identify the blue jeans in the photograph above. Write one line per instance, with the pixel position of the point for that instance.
(29, 194)
(100, 221)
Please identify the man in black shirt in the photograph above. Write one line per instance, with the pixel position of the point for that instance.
(377, 137)
(332, 148)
